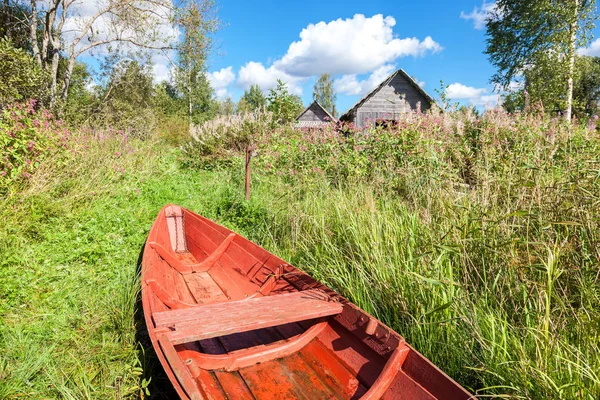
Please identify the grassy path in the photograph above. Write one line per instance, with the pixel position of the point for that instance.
(458, 280)
(68, 283)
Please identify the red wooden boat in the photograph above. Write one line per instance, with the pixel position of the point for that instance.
(230, 320)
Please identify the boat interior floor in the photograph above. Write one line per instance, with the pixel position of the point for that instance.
(313, 369)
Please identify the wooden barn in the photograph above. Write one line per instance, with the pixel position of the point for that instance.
(314, 116)
(394, 97)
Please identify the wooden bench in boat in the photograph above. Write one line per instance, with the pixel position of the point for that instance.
(220, 319)
(214, 320)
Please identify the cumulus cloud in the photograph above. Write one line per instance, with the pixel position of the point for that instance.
(162, 65)
(593, 50)
(220, 80)
(350, 85)
(254, 73)
(348, 47)
(479, 15)
(458, 91)
(475, 96)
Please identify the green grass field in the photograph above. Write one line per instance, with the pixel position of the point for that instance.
(498, 285)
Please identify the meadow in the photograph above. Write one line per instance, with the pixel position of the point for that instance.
(475, 237)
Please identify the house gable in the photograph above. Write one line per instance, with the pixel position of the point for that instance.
(314, 115)
(395, 96)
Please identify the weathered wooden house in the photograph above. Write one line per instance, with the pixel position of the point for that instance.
(314, 116)
(397, 95)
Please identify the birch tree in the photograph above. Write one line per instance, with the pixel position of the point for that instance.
(72, 28)
(324, 94)
(528, 34)
(197, 22)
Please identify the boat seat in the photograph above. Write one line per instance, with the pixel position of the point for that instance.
(220, 319)
(184, 268)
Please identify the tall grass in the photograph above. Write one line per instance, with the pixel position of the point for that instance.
(475, 238)
(497, 329)
(70, 239)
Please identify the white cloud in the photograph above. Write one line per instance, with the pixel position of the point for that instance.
(350, 46)
(475, 96)
(220, 80)
(162, 65)
(350, 85)
(479, 15)
(347, 47)
(254, 73)
(486, 101)
(593, 50)
(155, 29)
(458, 91)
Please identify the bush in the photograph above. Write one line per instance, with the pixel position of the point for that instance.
(21, 77)
(27, 137)
(217, 140)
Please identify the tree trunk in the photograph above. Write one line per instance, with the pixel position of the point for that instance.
(33, 34)
(54, 74)
(191, 125)
(572, 40)
(189, 99)
(67, 80)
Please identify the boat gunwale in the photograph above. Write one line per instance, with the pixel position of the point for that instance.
(383, 340)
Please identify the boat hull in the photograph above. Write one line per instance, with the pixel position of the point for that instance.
(229, 320)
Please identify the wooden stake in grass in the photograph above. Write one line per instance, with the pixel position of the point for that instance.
(249, 150)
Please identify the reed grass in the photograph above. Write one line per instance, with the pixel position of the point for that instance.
(496, 280)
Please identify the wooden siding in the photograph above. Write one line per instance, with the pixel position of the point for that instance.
(314, 113)
(390, 102)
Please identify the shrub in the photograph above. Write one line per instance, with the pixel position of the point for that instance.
(21, 77)
(27, 136)
(215, 141)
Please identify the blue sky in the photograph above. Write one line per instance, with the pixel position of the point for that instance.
(358, 42)
(262, 32)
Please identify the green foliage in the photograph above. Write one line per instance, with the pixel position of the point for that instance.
(167, 100)
(470, 230)
(82, 101)
(514, 23)
(28, 137)
(544, 89)
(197, 22)
(14, 25)
(252, 100)
(21, 77)
(126, 102)
(284, 106)
(586, 93)
(69, 284)
(324, 94)
(216, 142)
(538, 39)
(225, 107)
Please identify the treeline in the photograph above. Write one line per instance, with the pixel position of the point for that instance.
(40, 59)
(537, 48)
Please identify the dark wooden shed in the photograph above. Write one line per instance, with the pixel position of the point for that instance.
(397, 95)
(314, 116)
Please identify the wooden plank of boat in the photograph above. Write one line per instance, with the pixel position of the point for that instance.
(230, 320)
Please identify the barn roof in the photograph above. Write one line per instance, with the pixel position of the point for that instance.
(331, 117)
(384, 83)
